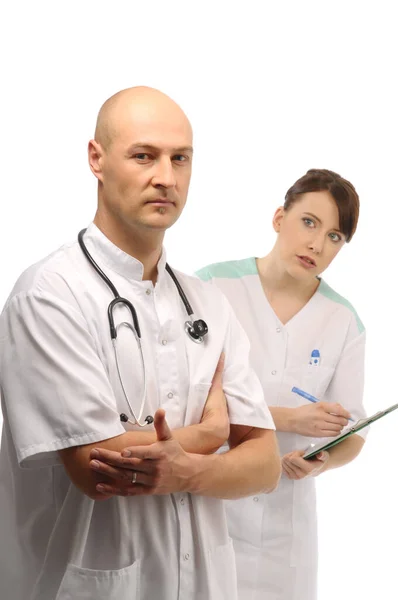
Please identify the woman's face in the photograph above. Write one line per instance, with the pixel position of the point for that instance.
(308, 234)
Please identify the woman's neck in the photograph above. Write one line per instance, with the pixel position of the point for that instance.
(276, 281)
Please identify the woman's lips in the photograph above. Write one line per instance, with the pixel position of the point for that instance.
(307, 262)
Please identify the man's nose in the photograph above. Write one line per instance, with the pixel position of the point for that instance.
(164, 174)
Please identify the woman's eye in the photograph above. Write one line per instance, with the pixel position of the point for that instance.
(308, 222)
(335, 237)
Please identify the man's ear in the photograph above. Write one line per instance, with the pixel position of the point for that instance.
(95, 154)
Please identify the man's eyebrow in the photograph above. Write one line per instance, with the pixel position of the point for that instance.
(146, 146)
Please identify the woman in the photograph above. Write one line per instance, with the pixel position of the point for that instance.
(304, 335)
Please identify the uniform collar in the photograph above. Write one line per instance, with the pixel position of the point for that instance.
(116, 259)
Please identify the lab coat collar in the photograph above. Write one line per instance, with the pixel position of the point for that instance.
(115, 258)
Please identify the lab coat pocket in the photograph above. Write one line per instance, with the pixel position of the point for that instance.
(89, 584)
(311, 379)
(196, 402)
(223, 583)
(317, 379)
(245, 517)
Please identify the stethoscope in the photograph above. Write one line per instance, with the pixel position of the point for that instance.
(195, 329)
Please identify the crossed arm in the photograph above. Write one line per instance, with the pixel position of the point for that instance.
(180, 461)
(252, 465)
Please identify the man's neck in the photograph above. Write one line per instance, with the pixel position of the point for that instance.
(144, 245)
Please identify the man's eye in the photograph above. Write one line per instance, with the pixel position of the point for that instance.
(141, 156)
(180, 158)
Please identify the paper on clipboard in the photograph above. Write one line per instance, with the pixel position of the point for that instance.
(327, 443)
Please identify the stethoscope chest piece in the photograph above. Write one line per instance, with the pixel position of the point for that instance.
(196, 330)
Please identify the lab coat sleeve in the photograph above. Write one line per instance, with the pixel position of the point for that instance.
(347, 384)
(55, 389)
(246, 403)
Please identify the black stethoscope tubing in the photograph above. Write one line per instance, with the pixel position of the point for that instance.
(195, 329)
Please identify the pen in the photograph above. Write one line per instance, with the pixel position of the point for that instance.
(308, 396)
(315, 358)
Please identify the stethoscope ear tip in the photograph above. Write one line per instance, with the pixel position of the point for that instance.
(124, 419)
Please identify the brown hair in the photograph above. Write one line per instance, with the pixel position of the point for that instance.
(343, 192)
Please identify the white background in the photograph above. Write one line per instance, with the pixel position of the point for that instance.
(272, 89)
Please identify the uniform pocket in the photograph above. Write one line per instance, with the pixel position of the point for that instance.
(196, 401)
(317, 379)
(311, 379)
(89, 584)
(223, 584)
(245, 517)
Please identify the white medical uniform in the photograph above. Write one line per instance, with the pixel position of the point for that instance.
(275, 536)
(60, 388)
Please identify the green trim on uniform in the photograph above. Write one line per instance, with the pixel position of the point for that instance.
(328, 292)
(232, 269)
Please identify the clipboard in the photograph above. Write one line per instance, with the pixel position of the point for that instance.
(313, 450)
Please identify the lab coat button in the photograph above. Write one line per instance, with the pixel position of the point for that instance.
(164, 342)
(186, 556)
(182, 501)
(147, 291)
(170, 395)
(278, 330)
(273, 372)
(255, 499)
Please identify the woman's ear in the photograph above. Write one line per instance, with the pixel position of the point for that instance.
(278, 218)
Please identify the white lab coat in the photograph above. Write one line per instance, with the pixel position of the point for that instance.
(60, 389)
(275, 535)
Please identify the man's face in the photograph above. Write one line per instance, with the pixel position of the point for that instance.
(146, 169)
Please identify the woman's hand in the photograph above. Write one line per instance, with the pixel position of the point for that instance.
(322, 419)
(294, 466)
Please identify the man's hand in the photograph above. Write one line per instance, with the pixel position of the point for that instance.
(296, 467)
(214, 424)
(320, 420)
(160, 468)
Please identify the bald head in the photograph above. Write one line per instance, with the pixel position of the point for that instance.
(142, 158)
(137, 107)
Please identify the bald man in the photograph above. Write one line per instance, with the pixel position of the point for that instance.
(116, 394)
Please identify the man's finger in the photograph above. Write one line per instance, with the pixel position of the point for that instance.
(132, 490)
(109, 456)
(122, 461)
(163, 431)
(124, 473)
(112, 472)
(143, 453)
